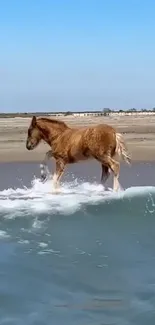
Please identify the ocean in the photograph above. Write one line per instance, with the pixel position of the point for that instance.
(84, 256)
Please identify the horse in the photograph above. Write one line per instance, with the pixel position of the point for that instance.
(71, 145)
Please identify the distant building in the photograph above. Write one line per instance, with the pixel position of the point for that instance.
(100, 113)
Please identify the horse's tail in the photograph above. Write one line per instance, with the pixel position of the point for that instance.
(121, 149)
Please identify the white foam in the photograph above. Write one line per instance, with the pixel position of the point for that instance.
(43, 245)
(41, 198)
(23, 241)
(3, 234)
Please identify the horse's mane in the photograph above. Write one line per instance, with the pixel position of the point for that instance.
(52, 121)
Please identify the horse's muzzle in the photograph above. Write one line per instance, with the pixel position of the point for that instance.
(29, 146)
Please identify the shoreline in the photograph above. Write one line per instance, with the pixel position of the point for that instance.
(143, 154)
(7, 160)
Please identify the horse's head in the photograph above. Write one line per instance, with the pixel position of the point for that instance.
(34, 135)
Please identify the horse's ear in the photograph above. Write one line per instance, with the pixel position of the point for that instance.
(34, 121)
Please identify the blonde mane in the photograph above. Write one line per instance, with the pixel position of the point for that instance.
(52, 121)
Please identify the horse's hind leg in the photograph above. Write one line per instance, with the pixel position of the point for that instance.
(115, 167)
(105, 173)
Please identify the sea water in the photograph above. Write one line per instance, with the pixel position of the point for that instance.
(82, 256)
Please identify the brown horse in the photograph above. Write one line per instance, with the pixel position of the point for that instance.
(70, 145)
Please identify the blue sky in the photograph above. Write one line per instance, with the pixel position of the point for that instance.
(76, 55)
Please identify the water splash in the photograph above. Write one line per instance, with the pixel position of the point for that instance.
(41, 197)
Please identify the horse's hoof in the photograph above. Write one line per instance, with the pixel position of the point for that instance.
(43, 179)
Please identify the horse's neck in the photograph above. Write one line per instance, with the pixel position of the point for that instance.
(55, 133)
(52, 132)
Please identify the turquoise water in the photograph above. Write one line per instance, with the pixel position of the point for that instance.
(83, 256)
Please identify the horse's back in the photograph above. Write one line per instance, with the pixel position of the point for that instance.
(87, 136)
(92, 139)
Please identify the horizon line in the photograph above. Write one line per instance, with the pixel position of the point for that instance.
(67, 112)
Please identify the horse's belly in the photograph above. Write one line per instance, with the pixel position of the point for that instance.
(79, 155)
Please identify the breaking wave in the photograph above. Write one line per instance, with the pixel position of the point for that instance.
(74, 196)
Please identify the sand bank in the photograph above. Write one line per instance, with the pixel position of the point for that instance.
(139, 133)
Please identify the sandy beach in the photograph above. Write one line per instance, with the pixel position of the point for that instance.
(139, 133)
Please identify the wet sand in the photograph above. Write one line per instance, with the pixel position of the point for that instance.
(139, 133)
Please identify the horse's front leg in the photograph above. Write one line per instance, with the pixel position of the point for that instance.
(43, 166)
(60, 167)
